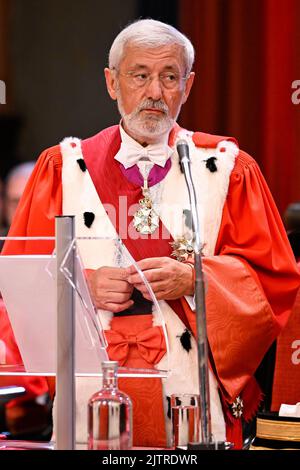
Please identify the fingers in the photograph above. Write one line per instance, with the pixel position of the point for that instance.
(155, 286)
(152, 275)
(117, 297)
(110, 280)
(113, 273)
(171, 281)
(160, 295)
(119, 286)
(112, 287)
(103, 296)
(109, 289)
(148, 263)
(115, 307)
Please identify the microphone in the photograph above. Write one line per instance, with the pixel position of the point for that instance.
(184, 153)
(200, 313)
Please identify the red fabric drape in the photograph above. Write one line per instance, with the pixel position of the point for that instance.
(281, 160)
(247, 56)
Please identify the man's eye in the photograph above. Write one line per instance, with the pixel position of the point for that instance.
(171, 77)
(140, 76)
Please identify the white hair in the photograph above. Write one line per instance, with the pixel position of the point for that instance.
(150, 34)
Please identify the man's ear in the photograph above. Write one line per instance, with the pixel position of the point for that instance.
(188, 86)
(111, 82)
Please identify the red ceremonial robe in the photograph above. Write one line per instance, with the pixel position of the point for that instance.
(252, 278)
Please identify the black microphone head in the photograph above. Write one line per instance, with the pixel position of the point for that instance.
(183, 152)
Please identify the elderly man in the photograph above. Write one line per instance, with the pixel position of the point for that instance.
(127, 180)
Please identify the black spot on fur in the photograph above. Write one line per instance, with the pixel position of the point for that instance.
(210, 164)
(185, 340)
(88, 218)
(81, 164)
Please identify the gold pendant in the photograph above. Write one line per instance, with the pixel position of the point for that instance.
(145, 220)
(237, 407)
(182, 248)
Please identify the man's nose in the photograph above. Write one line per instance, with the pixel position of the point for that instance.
(154, 89)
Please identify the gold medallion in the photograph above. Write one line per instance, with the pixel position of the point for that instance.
(182, 248)
(145, 220)
(237, 407)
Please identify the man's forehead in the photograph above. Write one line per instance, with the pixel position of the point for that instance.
(169, 56)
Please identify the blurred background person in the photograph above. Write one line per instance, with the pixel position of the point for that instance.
(15, 184)
(10, 194)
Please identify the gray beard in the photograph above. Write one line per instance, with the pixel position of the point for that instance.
(148, 128)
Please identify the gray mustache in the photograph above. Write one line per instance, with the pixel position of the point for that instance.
(160, 105)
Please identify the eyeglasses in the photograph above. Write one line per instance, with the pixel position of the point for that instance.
(169, 80)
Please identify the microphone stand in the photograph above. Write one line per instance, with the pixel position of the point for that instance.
(206, 442)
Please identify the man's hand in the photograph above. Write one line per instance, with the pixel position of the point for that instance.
(109, 289)
(168, 278)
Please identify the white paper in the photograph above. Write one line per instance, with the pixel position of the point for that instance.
(292, 411)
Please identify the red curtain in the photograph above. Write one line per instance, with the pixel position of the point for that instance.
(247, 57)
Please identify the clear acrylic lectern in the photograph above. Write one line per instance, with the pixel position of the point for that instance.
(58, 330)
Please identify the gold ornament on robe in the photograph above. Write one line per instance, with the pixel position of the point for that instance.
(182, 249)
(145, 220)
(237, 407)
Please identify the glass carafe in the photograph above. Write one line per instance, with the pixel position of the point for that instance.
(109, 414)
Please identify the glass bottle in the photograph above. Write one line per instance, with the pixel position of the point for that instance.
(109, 414)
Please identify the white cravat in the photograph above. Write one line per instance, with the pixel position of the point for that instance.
(131, 152)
